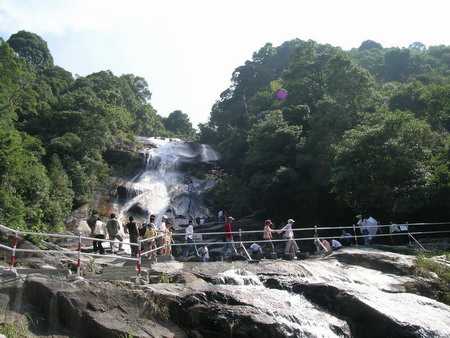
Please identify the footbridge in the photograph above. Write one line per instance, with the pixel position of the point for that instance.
(414, 232)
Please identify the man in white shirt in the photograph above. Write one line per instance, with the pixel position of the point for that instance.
(189, 238)
(368, 227)
(291, 246)
(100, 233)
(372, 227)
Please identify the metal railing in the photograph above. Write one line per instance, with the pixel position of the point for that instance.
(78, 252)
(316, 236)
(138, 259)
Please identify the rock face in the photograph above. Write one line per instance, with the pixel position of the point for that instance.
(352, 293)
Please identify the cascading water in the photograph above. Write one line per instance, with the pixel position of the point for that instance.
(162, 188)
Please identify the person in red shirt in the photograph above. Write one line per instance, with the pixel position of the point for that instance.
(268, 235)
(229, 237)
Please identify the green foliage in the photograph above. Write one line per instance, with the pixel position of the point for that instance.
(363, 130)
(23, 181)
(272, 142)
(55, 131)
(17, 329)
(425, 265)
(370, 44)
(32, 48)
(384, 163)
(179, 124)
(61, 193)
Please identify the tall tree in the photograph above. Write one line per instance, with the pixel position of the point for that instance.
(179, 124)
(32, 48)
(383, 165)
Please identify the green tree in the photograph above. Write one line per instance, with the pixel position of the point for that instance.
(384, 163)
(270, 162)
(61, 194)
(32, 48)
(370, 44)
(179, 124)
(397, 64)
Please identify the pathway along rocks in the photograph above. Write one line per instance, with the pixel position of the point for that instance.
(352, 293)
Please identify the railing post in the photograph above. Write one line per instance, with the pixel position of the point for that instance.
(240, 235)
(13, 254)
(316, 233)
(354, 233)
(138, 262)
(79, 256)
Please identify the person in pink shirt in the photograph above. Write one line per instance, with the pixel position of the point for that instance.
(268, 234)
(229, 237)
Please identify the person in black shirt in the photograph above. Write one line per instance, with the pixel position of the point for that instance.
(132, 229)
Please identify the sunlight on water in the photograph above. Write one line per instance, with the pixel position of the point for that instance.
(161, 187)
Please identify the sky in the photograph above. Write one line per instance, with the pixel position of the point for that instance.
(188, 49)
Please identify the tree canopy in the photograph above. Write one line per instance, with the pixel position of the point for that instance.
(55, 131)
(179, 124)
(364, 130)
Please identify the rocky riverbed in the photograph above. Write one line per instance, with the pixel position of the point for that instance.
(351, 293)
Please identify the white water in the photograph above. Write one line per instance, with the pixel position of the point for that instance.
(161, 188)
(238, 277)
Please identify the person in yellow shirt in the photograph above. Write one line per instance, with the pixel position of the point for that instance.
(150, 232)
(168, 240)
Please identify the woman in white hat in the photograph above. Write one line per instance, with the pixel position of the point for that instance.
(291, 246)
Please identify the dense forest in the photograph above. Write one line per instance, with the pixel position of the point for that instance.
(57, 132)
(360, 131)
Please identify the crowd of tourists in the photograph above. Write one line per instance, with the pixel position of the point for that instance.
(156, 238)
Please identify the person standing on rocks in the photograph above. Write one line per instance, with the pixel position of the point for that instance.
(189, 239)
(268, 235)
(132, 229)
(113, 227)
(229, 237)
(91, 220)
(168, 239)
(162, 229)
(150, 233)
(100, 233)
(291, 246)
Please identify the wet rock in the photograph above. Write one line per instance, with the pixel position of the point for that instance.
(246, 311)
(354, 292)
(387, 262)
(374, 313)
(138, 209)
(95, 310)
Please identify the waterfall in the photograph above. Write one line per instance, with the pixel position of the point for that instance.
(161, 187)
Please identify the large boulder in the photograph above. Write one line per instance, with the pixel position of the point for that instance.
(352, 293)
